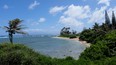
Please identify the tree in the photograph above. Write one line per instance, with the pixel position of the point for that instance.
(105, 27)
(96, 27)
(74, 32)
(65, 30)
(113, 21)
(107, 20)
(14, 27)
(62, 31)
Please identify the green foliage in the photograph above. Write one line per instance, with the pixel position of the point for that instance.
(98, 31)
(69, 36)
(107, 19)
(103, 40)
(95, 52)
(72, 36)
(69, 58)
(65, 32)
(17, 54)
(83, 61)
(14, 27)
(102, 52)
(87, 35)
(111, 39)
(111, 36)
(112, 61)
(113, 21)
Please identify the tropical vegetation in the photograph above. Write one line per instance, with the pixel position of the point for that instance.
(65, 32)
(14, 27)
(103, 40)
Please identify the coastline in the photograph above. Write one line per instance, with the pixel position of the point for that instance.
(75, 39)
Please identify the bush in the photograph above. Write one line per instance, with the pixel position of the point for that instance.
(95, 52)
(112, 61)
(72, 36)
(69, 35)
(18, 54)
(103, 52)
(69, 58)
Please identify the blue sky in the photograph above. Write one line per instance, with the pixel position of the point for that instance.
(49, 16)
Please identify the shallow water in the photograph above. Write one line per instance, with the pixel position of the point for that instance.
(53, 47)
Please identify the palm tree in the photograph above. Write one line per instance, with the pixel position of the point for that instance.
(14, 27)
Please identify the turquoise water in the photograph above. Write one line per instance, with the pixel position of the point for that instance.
(53, 47)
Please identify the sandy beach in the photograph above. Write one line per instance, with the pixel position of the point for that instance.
(75, 39)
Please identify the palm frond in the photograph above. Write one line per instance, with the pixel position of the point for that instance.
(5, 27)
(21, 26)
(14, 23)
(20, 32)
(15, 27)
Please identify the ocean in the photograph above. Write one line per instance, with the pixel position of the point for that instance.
(49, 46)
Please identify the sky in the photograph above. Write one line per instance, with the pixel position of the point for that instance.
(50, 16)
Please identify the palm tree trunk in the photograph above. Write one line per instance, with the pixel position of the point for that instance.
(11, 37)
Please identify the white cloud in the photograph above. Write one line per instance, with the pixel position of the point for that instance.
(70, 21)
(78, 12)
(6, 6)
(56, 9)
(42, 20)
(97, 15)
(33, 22)
(82, 16)
(110, 11)
(74, 15)
(106, 2)
(33, 5)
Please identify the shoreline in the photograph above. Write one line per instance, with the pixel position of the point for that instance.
(75, 39)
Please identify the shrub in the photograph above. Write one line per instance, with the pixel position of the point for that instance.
(18, 54)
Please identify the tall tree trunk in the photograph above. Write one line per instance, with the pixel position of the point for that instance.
(11, 37)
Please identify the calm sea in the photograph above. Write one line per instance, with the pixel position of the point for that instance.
(47, 45)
